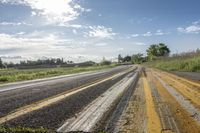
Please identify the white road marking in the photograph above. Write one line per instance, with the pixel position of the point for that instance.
(54, 99)
(88, 118)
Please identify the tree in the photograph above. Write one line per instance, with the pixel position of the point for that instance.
(120, 59)
(1, 63)
(157, 50)
(163, 50)
(137, 58)
(127, 58)
(105, 62)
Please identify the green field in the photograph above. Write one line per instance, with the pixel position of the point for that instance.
(13, 75)
(186, 64)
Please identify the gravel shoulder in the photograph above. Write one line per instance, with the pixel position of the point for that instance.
(186, 88)
(183, 119)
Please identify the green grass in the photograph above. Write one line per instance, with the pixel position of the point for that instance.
(22, 130)
(187, 64)
(13, 75)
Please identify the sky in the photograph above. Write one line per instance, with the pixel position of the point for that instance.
(82, 30)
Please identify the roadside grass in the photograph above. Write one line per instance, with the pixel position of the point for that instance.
(22, 130)
(186, 64)
(13, 75)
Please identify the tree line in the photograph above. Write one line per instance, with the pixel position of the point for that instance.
(158, 51)
(154, 52)
(39, 62)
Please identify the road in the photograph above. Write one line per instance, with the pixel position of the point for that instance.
(129, 99)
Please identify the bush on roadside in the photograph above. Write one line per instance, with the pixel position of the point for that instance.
(4, 79)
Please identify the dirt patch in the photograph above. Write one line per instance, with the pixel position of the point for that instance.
(153, 121)
(191, 94)
(133, 118)
(121, 106)
(168, 122)
(184, 121)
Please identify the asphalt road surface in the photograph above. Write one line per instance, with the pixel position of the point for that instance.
(122, 99)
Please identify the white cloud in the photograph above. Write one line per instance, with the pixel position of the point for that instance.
(139, 43)
(101, 44)
(196, 22)
(120, 49)
(39, 44)
(135, 35)
(159, 32)
(15, 42)
(100, 32)
(20, 33)
(33, 13)
(147, 34)
(189, 29)
(74, 31)
(55, 11)
(194, 28)
(77, 26)
(13, 23)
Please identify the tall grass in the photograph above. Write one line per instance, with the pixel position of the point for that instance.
(13, 75)
(186, 63)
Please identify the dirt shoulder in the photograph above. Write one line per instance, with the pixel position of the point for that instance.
(133, 118)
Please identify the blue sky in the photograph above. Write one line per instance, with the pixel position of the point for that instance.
(83, 30)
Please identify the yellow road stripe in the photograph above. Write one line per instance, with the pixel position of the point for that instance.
(153, 121)
(54, 99)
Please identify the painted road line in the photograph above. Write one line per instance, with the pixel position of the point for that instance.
(51, 100)
(87, 119)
